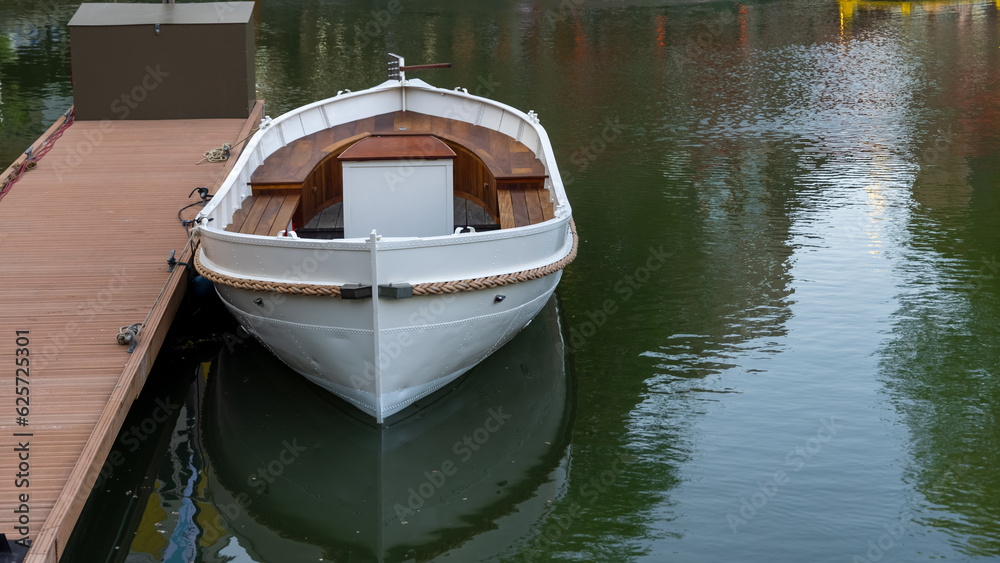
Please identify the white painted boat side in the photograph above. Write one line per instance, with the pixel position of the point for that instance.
(423, 342)
(453, 257)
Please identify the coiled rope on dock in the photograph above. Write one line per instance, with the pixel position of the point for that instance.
(431, 288)
(221, 154)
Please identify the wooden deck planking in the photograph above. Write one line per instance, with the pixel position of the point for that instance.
(506, 209)
(520, 207)
(285, 214)
(240, 215)
(84, 242)
(460, 211)
(385, 122)
(418, 121)
(255, 213)
(548, 210)
(532, 201)
(270, 213)
(403, 121)
(266, 214)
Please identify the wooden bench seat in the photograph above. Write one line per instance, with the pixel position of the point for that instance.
(507, 159)
(293, 163)
(266, 214)
(487, 161)
(521, 206)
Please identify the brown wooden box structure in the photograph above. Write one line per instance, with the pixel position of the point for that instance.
(163, 61)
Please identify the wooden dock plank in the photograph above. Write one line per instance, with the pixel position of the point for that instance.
(73, 286)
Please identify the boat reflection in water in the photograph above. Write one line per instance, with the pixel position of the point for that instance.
(469, 472)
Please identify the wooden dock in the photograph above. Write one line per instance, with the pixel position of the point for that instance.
(84, 242)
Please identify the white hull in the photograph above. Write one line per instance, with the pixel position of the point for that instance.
(440, 338)
(382, 354)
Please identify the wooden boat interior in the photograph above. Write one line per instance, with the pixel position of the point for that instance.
(497, 182)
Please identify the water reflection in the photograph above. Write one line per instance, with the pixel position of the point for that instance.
(783, 143)
(941, 362)
(34, 71)
(940, 369)
(469, 473)
(845, 124)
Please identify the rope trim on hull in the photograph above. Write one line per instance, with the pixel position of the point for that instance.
(431, 288)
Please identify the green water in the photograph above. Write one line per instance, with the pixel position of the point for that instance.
(781, 332)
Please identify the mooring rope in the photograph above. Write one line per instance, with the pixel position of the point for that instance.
(221, 154)
(432, 288)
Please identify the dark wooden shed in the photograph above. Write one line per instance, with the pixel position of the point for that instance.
(163, 61)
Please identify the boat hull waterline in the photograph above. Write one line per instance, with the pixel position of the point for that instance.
(340, 312)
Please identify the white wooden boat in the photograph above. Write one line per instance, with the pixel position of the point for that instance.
(411, 296)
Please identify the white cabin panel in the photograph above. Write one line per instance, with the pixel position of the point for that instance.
(398, 198)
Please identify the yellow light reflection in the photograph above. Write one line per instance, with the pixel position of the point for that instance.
(847, 12)
(848, 7)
